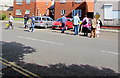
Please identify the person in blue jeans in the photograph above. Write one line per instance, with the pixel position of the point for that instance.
(63, 21)
(76, 21)
(32, 22)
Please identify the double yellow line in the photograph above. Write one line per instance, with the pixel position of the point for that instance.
(19, 69)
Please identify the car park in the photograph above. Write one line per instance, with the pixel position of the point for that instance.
(43, 21)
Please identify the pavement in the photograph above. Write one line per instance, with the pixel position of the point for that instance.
(104, 28)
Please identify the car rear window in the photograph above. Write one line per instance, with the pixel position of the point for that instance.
(59, 19)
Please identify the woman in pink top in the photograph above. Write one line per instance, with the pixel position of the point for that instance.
(86, 25)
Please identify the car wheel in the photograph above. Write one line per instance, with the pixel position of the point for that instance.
(46, 26)
(66, 27)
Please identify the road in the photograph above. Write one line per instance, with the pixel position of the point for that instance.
(52, 47)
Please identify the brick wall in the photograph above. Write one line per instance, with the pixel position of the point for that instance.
(69, 6)
(43, 7)
(24, 7)
(37, 8)
(6, 13)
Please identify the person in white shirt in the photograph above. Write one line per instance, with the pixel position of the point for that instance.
(76, 21)
(10, 21)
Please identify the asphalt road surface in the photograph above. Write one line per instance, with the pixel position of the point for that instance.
(52, 47)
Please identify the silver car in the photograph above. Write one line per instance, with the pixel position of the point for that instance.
(43, 21)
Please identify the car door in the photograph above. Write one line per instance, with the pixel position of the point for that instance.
(49, 21)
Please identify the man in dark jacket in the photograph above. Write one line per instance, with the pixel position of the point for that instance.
(26, 18)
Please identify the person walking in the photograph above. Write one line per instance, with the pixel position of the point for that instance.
(32, 22)
(85, 25)
(76, 21)
(26, 18)
(10, 21)
(63, 21)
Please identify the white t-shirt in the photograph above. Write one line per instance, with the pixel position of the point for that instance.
(11, 19)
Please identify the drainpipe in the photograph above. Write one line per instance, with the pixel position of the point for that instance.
(35, 7)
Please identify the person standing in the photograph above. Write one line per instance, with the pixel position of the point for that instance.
(94, 26)
(63, 21)
(26, 18)
(10, 21)
(76, 21)
(32, 22)
(85, 25)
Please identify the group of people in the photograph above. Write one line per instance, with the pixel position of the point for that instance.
(26, 18)
(87, 25)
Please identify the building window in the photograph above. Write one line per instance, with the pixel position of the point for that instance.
(28, 11)
(108, 11)
(74, 12)
(19, 2)
(27, 1)
(62, 1)
(46, 3)
(116, 14)
(62, 12)
(78, 1)
(52, 12)
(18, 12)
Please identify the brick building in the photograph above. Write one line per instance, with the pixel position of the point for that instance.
(71, 7)
(37, 7)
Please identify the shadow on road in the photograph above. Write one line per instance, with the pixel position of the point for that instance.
(14, 52)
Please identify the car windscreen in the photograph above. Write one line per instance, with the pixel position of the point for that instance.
(37, 18)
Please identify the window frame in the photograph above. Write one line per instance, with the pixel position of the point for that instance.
(105, 17)
(78, 1)
(27, 11)
(74, 13)
(18, 13)
(28, 2)
(62, 1)
(63, 11)
(18, 2)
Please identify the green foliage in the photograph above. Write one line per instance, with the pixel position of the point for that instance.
(2, 16)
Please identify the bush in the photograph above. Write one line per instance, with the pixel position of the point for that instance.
(2, 16)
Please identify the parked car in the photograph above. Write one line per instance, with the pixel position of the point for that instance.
(43, 21)
(58, 24)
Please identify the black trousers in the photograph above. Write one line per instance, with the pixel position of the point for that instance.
(10, 24)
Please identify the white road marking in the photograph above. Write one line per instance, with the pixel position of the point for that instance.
(109, 52)
(40, 40)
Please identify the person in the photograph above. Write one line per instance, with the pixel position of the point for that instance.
(94, 26)
(76, 21)
(32, 22)
(99, 24)
(63, 21)
(85, 25)
(26, 18)
(10, 21)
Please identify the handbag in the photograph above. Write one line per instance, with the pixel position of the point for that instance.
(7, 25)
